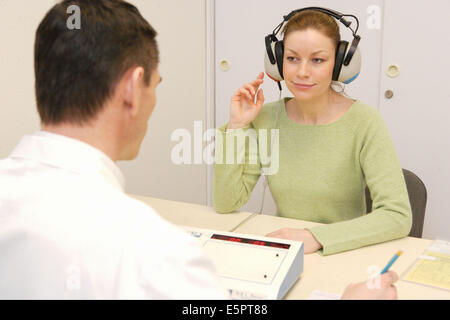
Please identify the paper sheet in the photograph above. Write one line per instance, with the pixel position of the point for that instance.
(322, 295)
(433, 266)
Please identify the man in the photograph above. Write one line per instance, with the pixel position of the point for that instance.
(67, 229)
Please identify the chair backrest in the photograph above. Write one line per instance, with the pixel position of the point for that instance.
(417, 193)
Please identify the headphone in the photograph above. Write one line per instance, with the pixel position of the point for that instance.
(347, 59)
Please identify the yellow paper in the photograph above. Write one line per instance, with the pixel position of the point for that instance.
(433, 269)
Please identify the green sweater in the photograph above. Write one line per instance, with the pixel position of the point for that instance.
(322, 174)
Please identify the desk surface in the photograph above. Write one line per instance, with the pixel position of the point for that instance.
(333, 273)
(330, 274)
(194, 215)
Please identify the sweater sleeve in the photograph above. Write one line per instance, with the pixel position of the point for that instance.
(391, 216)
(236, 169)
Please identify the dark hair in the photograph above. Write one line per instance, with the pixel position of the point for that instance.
(77, 69)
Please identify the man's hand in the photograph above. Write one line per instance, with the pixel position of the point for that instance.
(367, 291)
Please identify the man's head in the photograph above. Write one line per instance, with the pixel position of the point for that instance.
(111, 61)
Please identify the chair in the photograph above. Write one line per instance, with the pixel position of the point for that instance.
(417, 193)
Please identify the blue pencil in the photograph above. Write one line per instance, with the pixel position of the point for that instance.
(390, 263)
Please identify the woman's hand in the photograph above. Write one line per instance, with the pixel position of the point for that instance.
(310, 243)
(243, 108)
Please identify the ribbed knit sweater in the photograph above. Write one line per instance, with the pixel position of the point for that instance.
(321, 175)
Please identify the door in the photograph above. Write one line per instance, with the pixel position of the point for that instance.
(415, 51)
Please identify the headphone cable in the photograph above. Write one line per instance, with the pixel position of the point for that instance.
(275, 123)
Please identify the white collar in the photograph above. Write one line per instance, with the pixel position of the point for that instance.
(69, 154)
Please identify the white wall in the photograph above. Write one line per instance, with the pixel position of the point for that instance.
(18, 22)
(181, 96)
(181, 26)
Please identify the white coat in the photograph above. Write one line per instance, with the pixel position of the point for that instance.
(68, 231)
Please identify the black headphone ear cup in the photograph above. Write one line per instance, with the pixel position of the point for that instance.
(339, 59)
(270, 61)
(279, 55)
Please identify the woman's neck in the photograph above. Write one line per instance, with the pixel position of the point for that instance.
(322, 110)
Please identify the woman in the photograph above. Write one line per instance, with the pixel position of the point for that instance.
(330, 148)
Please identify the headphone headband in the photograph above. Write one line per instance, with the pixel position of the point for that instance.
(333, 13)
(336, 14)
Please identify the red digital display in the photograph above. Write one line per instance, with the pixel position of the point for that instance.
(251, 241)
